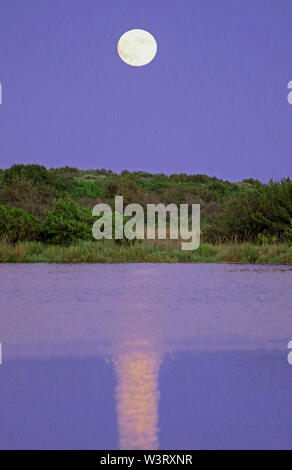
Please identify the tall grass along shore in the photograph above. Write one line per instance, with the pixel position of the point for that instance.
(107, 251)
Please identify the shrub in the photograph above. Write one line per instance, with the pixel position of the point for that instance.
(35, 173)
(35, 198)
(67, 222)
(17, 225)
(110, 189)
(263, 213)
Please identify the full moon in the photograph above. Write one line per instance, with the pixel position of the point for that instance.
(137, 47)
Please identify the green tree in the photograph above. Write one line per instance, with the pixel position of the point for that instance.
(18, 225)
(35, 173)
(68, 222)
(35, 198)
(264, 213)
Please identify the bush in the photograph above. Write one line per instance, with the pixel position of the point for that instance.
(67, 222)
(110, 189)
(35, 173)
(243, 211)
(18, 225)
(35, 198)
(265, 213)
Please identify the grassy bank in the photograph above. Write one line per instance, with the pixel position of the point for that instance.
(154, 252)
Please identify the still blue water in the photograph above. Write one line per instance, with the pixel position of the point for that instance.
(150, 356)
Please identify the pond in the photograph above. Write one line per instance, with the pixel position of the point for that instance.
(145, 356)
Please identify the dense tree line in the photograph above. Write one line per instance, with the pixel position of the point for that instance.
(54, 205)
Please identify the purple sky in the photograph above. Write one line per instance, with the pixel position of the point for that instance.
(213, 101)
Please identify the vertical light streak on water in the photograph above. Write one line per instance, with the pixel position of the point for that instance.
(137, 399)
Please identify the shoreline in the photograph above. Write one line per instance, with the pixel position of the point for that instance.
(107, 251)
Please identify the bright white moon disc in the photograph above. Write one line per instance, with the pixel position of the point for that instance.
(137, 47)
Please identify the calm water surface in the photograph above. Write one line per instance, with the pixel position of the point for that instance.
(145, 356)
